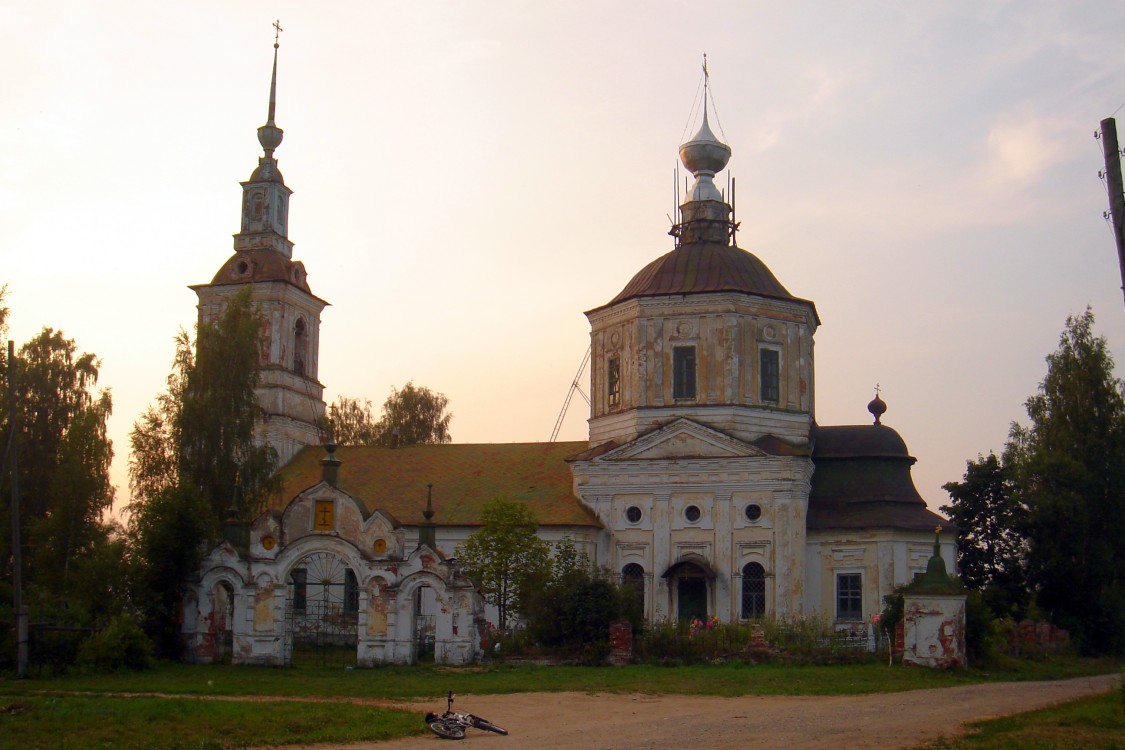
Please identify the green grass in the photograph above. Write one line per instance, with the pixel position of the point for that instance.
(428, 681)
(1089, 724)
(83, 722)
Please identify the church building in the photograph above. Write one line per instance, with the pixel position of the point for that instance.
(706, 481)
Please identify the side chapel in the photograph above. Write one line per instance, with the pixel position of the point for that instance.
(706, 482)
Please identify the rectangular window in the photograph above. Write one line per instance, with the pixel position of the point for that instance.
(300, 593)
(683, 372)
(613, 381)
(849, 596)
(770, 375)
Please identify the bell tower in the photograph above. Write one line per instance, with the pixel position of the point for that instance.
(705, 332)
(289, 393)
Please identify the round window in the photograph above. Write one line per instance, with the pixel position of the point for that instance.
(692, 513)
(633, 514)
(753, 512)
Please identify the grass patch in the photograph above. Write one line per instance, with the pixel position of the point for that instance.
(395, 683)
(83, 722)
(1091, 723)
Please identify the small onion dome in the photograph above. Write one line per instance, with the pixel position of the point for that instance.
(704, 155)
(877, 407)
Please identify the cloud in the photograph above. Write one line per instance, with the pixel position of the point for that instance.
(1021, 149)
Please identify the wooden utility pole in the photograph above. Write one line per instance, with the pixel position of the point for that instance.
(17, 557)
(1112, 152)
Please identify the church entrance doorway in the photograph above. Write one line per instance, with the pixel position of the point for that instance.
(222, 623)
(322, 612)
(425, 605)
(691, 595)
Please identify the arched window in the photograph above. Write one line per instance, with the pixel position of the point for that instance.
(633, 577)
(753, 590)
(300, 346)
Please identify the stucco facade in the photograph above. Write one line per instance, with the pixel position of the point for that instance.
(325, 574)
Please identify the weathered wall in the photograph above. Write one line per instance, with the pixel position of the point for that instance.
(387, 575)
(934, 631)
(728, 332)
(688, 465)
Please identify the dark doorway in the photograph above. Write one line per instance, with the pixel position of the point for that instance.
(691, 593)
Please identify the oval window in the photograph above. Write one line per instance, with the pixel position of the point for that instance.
(753, 512)
(633, 514)
(692, 513)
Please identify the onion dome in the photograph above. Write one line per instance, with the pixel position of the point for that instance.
(877, 407)
(703, 156)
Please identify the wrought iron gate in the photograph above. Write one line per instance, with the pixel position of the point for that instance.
(322, 612)
(424, 633)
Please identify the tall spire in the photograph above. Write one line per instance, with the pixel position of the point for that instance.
(704, 215)
(704, 154)
(265, 197)
(269, 135)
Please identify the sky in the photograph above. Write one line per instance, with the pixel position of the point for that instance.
(470, 177)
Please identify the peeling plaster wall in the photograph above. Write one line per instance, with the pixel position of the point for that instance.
(728, 331)
(934, 631)
(292, 401)
(386, 583)
(663, 487)
(886, 558)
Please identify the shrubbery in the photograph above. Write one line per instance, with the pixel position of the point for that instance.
(568, 611)
(122, 644)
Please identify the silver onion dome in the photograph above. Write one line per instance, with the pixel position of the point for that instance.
(703, 156)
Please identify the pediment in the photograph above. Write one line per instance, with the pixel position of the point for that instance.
(682, 439)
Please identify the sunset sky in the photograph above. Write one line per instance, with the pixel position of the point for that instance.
(469, 177)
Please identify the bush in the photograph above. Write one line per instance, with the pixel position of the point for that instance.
(980, 628)
(570, 610)
(120, 645)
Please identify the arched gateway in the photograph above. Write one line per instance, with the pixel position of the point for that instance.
(328, 581)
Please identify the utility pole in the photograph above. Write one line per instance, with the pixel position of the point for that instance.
(1112, 152)
(17, 557)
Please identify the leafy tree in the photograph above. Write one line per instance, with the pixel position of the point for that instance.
(990, 534)
(411, 415)
(194, 457)
(504, 556)
(64, 457)
(201, 430)
(415, 415)
(1069, 465)
(167, 531)
(352, 423)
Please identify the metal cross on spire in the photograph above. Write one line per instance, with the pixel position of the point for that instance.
(278, 30)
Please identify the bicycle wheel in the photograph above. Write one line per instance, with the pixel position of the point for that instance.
(447, 730)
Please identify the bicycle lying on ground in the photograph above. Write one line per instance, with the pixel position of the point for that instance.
(452, 725)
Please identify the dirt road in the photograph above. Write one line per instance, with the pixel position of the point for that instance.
(558, 721)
